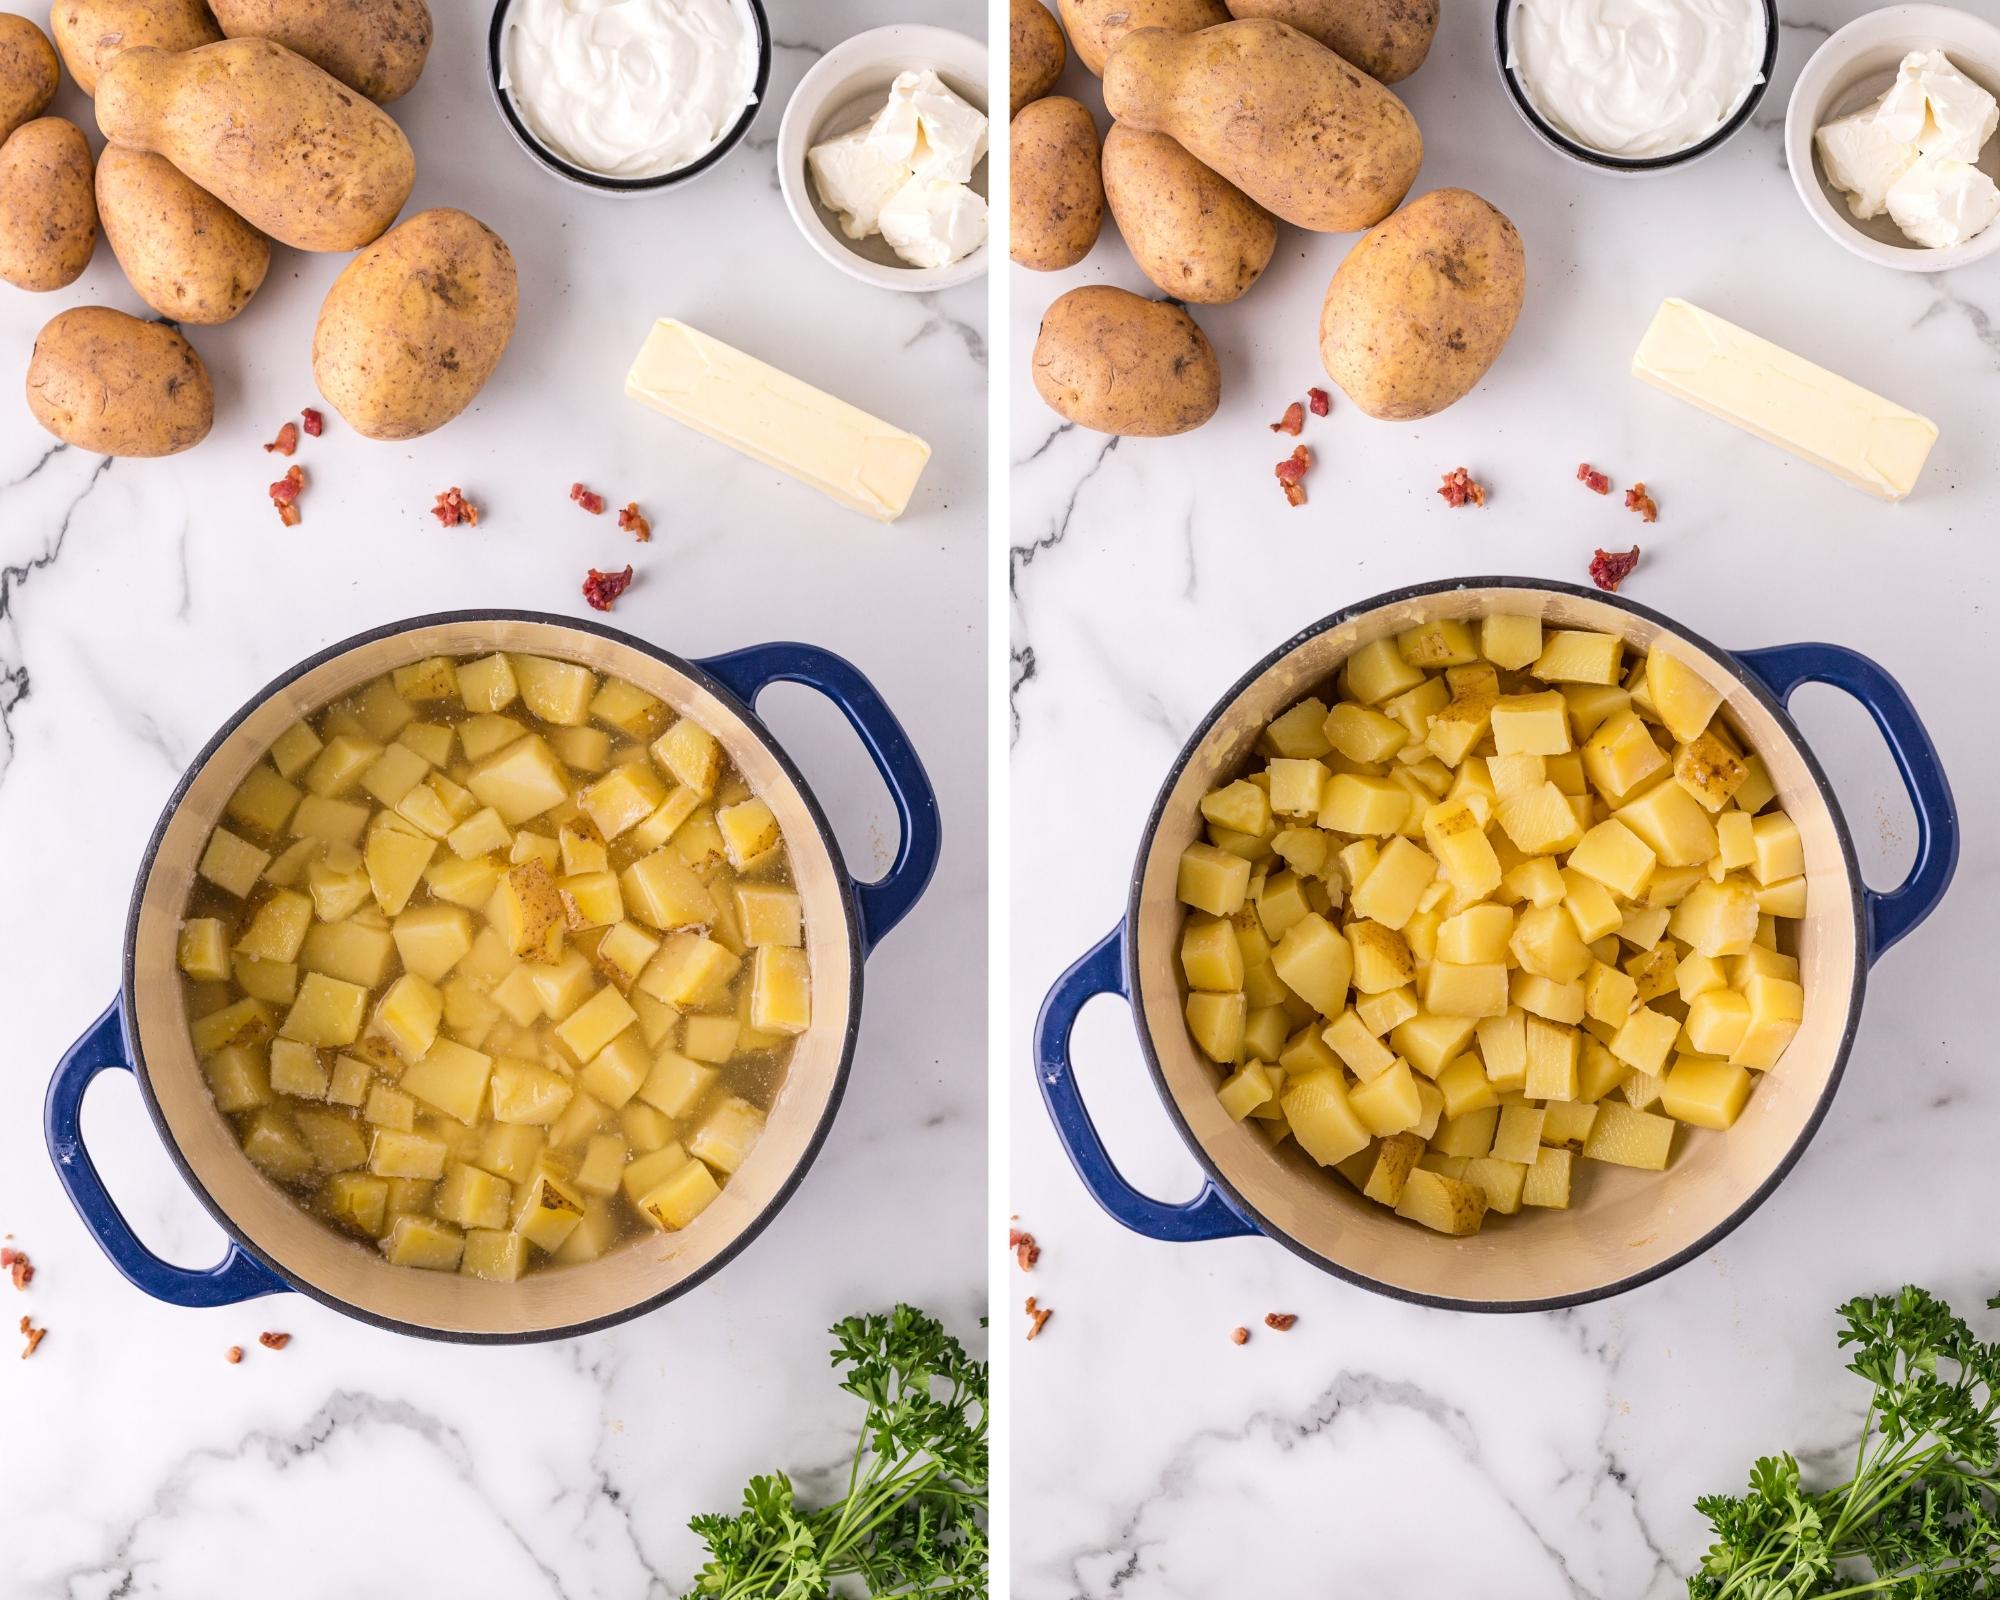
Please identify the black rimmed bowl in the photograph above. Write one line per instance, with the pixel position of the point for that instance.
(1625, 1227)
(274, 1244)
(608, 183)
(1604, 161)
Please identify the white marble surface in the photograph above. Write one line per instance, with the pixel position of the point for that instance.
(1379, 1449)
(141, 602)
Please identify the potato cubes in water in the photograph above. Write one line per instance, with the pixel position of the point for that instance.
(496, 963)
(1531, 894)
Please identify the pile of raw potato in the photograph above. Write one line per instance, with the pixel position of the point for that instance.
(231, 126)
(1228, 119)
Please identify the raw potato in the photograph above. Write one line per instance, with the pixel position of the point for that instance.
(1296, 128)
(1035, 54)
(1421, 306)
(375, 46)
(90, 33)
(186, 254)
(414, 326)
(48, 220)
(1196, 235)
(1387, 39)
(289, 149)
(29, 75)
(1056, 195)
(1117, 363)
(116, 386)
(1097, 25)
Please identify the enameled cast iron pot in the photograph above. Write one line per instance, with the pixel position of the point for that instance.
(274, 1245)
(1627, 1227)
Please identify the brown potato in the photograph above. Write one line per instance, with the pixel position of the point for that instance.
(1112, 361)
(1096, 25)
(414, 325)
(1197, 236)
(1387, 39)
(29, 75)
(48, 219)
(1035, 54)
(1299, 130)
(1056, 195)
(114, 385)
(90, 33)
(1422, 305)
(375, 46)
(292, 151)
(187, 254)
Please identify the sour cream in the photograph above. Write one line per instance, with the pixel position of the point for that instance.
(1636, 78)
(629, 88)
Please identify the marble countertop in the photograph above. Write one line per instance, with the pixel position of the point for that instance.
(1380, 1449)
(142, 602)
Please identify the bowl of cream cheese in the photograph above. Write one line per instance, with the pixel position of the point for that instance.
(1636, 85)
(882, 157)
(628, 96)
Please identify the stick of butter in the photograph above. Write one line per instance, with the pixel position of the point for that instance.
(772, 417)
(1872, 443)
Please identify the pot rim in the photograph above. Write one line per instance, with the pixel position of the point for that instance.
(1129, 951)
(128, 1020)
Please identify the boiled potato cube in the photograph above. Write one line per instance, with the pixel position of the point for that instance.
(1776, 1007)
(1703, 1093)
(1350, 1039)
(203, 949)
(1477, 934)
(433, 939)
(768, 914)
(494, 1254)
(414, 1241)
(394, 1154)
(1466, 1090)
(780, 991)
(407, 1017)
(510, 1150)
(520, 781)
(528, 1094)
(622, 798)
(691, 972)
(1609, 994)
(1245, 1089)
(1503, 1048)
(263, 801)
(1680, 696)
(1545, 943)
(353, 952)
(1479, 990)
(1316, 963)
(1321, 1115)
(232, 864)
(1570, 656)
(390, 1108)
(480, 736)
(278, 928)
(332, 822)
(1356, 804)
(550, 1208)
(1716, 919)
(603, 1163)
(1388, 1104)
(1444, 1205)
(591, 900)
(1212, 880)
(1360, 733)
(556, 691)
(1672, 822)
(1539, 821)
(292, 751)
(1298, 732)
(690, 756)
(1620, 756)
(474, 1198)
(1297, 787)
(480, 834)
(664, 892)
(595, 1023)
(296, 1069)
(1531, 724)
(1778, 852)
(1548, 1180)
(1717, 1021)
(1390, 892)
(724, 1139)
(614, 1074)
(581, 749)
(275, 981)
(395, 864)
(452, 1077)
(1431, 1043)
(1379, 958)
(1378, 670)
(1645, 1040)
(677, 1200)
(1512, 642)
(1442, 643)
(394, 773)
(1709, 770)
(326, 1012)
(1517, 1137)
(239, 1078)
(1553, 1057)
(676, 1085)
(526, 911)
(1216, 1023)
(1501, 1181)
(356, 1200)
(1629, 1138)
(1466, 718)
(643, 1174)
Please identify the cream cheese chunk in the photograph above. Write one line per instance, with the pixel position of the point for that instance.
(1785, 400)
(1863, 156)
(1940, 202)
(861, 461)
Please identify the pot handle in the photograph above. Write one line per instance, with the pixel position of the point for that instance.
(1208, 1215)
(237, 1276)
(1890, 915)
(885, 902)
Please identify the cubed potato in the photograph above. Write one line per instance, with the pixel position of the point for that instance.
(602, 1165)
(389, 1108)
(1548, 1180)
(1378, 670)
(690, 756)
(1776, 1008)
(1716, 919)
(1430, 1043)
(496, 1254)
(1390, 892)
(1554, 1053)
(335, 823)
(1709, 770)
(1531, 724)
(1297, 732)
(232, 864)
(1575, 656)
(595, 1023)
(293, 750)
(1609, 994)
(1477, 934)
(395, 864)
(664, 892)
(1245, 1089)
(1387, 1104)
(550, 1207)
(1444, 1205)
(1441, 643)
(358, 1201)
(480, 834)
(677, 1200)
(1777, 850)
(1216, 1023)
(1465, 719)
(1321, 1116)
(1672, 823)
(727, 1134)
(591, 900)
(1512, 642)
(1503, 1048)
(1645, 1040)
(263, 801)
(1357, 804)
(1451, 990)
(691, 973)
(1546, 998)
(1381, 959)
(510, 1150)
(414, 1241)
(239, 1078)
(527, 1094)
(394, 1154)
(614, 1074)
(1539, 821)
(348, 1080)
(1501, 1181)
(296, 1069)
(675, 1085)
(1704, 1093)
(1546, 944)
(1361, 733)
(1680, 696)
(556, 691)
(431, 940)
(526, 911)
(1620, 758)
(474, 1198)
(1629, 1138)
(483, 735)
(326, 1012)
(275, 981)
(780, 991)
(1463, 1083)
(581, 749)
(520, 781)
(622, 798)
(203, 949)
(1364, 1054)
(1316, 963)
(451, 1077)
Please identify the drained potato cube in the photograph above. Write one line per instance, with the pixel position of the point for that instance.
(1378, 670)
(1672, 822)
(1216, 1022)
(1716, 919)
(1321, 1115)
(1776, 1007)
(1212, 880)
(1364, 805)
(1444, 1205)
(1630, 1138)
(1680, 697)
(1531, 724)
(1548, 1180)
(1703, 1093)
(1512, 642)
(1709, 770)
(1387, 1104)
(1577, 657)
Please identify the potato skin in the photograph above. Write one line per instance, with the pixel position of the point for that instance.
(1056, 199)
(291, 150)
(185, 253)
(1096, 25)
(1035, 54)
(1387, 39)
(1117, 363)
(29, 73)
(1303, 133)
(91, 33)
(1197, 236)
(414, 325)
(116, 386)
(48, 216)
(375, 46)
(1423, 305)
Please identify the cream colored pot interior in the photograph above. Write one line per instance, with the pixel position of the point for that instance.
(310, 1252)
(1621, 1222)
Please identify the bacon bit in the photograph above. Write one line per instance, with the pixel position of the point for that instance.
(35, 1336)
(285, 493)
(1292, 422)
(287, 440)
(314, 422)
(589, 499)
(19, 1267)
(1280, 1320)
(1026, 1251)
(1592, 479)
(1239, 1335)
(602, 588)
(1636, 499)
(1320, 401)
(1291, 473)
(1459, 488)
(631, 521)
(452, 508)
(1038, 1315)
(274, 1341)
(1608, 570)
(233, 1355)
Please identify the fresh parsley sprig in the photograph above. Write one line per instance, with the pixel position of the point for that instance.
(913, 1520)
(1920, 1517)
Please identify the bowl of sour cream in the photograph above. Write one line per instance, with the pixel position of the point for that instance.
(1636, 85)
(628, 96)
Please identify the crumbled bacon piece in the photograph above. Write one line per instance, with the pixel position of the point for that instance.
(287, 440)
(274, 1341)
(1608, 570)
(35, 1336)
(1280, 1320)
(1459, 488)
(1037, 1316)
(285, 493)
(1592, 479)
(1292, 422)
(1291, 473)
(233, 1355)
(19, 1268)
(1239, 1335)
(1320, 401)
(589, 499)
(452, 508)
(314, 422)
(1026, 1251)
(601, 589)
(631, 520)
(1636, 499)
